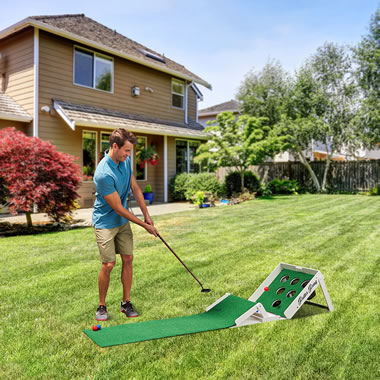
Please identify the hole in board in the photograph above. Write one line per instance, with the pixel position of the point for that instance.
(280, 290)
(291, 293)
(284, 278)
(305, 283)
(276, 303)
(295, 281)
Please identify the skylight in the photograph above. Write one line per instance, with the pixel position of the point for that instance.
(152, 55)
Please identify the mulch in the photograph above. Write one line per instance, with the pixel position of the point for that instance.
(17, 229)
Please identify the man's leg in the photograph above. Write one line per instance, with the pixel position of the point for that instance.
(124, 246)
(104, 281)
(126, 276)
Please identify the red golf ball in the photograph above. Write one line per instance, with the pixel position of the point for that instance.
(266, 288)
(95, 328)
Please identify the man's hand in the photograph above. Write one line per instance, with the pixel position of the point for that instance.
(151, 229)
(149, 220)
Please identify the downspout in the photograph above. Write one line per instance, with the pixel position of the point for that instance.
(186, 87)
(196, 111)
(36, 80)
(165, 168)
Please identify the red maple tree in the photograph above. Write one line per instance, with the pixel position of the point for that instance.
(33, 172)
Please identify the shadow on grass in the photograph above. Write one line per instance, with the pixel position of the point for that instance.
(17, 229)
(309, 310)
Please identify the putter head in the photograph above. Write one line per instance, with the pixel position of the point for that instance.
(205, 290)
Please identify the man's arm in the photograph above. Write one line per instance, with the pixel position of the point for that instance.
(114, 201)
(140, 200)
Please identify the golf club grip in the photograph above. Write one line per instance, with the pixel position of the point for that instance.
(179, 259)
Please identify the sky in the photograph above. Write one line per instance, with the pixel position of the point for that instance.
(219, 40)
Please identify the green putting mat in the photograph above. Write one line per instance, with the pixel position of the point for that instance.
(222, 315)
(283, 290)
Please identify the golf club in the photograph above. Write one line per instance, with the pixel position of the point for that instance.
(203, 289)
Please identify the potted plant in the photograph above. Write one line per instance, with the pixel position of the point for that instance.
(148, 194)
(148, 155)
(199, 198)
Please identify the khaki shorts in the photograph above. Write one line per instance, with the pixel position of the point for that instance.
(112, 241)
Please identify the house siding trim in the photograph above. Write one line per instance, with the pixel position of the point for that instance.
(66, 119)
(36, 65)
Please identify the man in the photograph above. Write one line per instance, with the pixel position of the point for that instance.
(113, 180)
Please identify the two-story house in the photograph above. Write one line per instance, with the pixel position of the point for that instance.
(71, 80)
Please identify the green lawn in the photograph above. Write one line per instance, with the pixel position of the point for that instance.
(48, 295)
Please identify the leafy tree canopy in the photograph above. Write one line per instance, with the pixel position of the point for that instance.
(33, 172)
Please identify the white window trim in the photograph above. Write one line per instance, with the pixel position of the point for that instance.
(95, 55)
(96, 150)
(146, 166)
(176, 93)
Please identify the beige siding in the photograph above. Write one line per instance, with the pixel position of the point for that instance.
(16, 66)
(56, 82)
(192, 104)
(23, 127)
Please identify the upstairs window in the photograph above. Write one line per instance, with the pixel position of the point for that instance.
(93, 70)
(178, 93)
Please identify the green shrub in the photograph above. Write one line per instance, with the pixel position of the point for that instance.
(233, 183)
(148, 189)
(199, 198)
(178, 186)
(278, 186)
(375, 190)
(184, 185)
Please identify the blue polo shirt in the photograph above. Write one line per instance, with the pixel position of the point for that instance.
(110, 177)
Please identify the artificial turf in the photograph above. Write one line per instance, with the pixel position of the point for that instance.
(221, 316)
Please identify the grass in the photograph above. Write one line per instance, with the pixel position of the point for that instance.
(48, 295)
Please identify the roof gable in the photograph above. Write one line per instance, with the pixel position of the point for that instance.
(81, 28)
(231, 105)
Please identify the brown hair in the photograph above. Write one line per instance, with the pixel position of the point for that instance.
(120, 136)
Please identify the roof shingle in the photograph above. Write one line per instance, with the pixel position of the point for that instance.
(86, 114)
(89, 29)
(11, 110)
(231, 105)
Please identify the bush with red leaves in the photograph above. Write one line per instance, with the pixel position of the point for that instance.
(33, 172)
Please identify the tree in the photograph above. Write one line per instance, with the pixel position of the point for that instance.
(33, 172)
(237, 143)
(262, 93)
(321, 105)
(367, 59)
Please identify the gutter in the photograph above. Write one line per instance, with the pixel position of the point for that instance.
(12, 117)
(85, 123)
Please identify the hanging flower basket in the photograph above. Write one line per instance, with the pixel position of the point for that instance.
(149, 156)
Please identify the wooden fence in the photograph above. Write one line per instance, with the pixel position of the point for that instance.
(342, 176)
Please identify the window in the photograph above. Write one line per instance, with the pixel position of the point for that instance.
(88, 154)
(93, 70)
(178, 91)
(185, 151)
(104, 143)
(140, 172)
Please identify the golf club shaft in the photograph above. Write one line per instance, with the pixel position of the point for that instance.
(179, 259)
